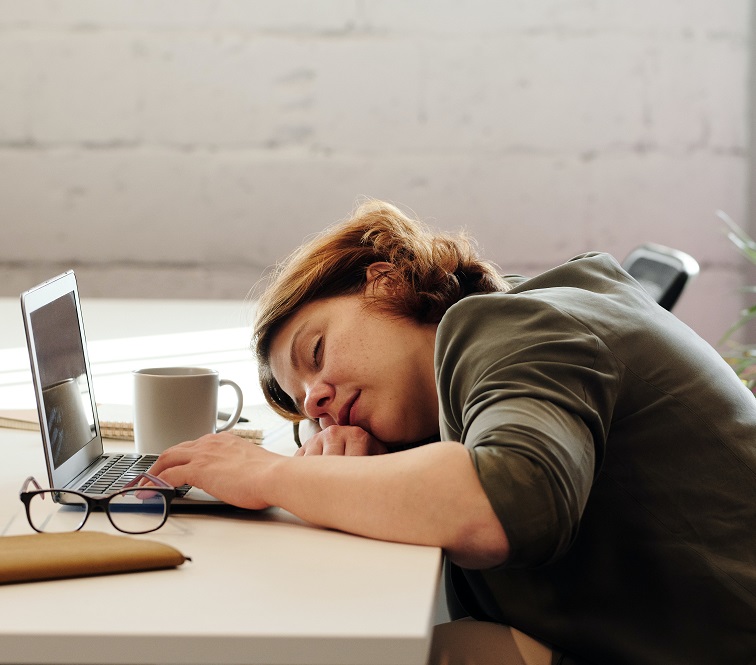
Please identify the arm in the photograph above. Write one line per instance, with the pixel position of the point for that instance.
(529, 390)
(429, 495)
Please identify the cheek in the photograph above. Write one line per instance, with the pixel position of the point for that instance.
(407, 419)
(283, 379)
(419, 406)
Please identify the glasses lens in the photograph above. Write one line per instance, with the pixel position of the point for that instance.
(57, 511)
(138, 510)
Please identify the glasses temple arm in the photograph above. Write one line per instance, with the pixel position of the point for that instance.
(30, 479)
(147, 476)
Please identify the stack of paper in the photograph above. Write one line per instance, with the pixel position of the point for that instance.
(115, 423)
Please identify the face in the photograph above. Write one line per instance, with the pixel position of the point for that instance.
(346, 364)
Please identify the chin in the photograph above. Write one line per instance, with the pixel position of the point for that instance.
(402, 441)
(388, 439)
(400, 435)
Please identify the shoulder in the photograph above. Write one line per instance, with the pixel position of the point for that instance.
(512, 328)
(590, 292)
(565, 316)
(592, 271)
(553, 293)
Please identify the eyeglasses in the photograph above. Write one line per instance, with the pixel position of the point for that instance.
(141, 506)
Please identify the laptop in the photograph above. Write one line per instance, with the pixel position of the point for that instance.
(66, 404)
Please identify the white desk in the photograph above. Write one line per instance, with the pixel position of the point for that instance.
(262, 588)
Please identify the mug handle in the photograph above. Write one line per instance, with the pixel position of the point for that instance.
(239, 404)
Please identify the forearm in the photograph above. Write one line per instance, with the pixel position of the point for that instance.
(429, 495)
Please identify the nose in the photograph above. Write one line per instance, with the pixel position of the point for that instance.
(319, 398)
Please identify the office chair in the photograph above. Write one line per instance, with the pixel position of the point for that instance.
(662, 271)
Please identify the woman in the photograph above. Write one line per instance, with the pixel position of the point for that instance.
(587, 463)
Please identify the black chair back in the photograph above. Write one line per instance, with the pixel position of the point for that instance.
(662, 271)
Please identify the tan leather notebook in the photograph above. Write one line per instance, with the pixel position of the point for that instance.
(46, 556)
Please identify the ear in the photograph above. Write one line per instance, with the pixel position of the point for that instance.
(379, 277)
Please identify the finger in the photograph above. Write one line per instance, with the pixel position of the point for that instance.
(334, 447)
(176, 455)
(176, 476)
(356, 448)
(313, 447)
(360, 442)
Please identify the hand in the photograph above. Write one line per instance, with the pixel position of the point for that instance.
(342, 440)
(224, 465)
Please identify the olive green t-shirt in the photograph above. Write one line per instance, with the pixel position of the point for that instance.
(618, 450)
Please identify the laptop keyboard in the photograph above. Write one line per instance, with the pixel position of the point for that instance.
(119, 470)
(116, 472)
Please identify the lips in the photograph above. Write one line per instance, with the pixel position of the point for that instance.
(345, 413)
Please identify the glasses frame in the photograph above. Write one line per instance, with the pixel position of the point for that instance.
(101, 501)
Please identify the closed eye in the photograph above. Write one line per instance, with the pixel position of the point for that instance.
(316, 351)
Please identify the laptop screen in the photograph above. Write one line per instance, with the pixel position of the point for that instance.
(69, 417)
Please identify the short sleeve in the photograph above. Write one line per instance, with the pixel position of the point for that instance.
(529, 391)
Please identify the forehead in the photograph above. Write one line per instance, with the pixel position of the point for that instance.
(280, 352)
(302, 315)
(309, 316)
(282, 337)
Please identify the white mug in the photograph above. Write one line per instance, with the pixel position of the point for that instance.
(175, 404)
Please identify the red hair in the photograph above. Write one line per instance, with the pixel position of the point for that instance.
(428, 273)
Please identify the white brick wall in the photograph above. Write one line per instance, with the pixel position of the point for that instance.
(178, 147)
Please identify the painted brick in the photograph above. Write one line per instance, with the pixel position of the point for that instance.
(177, 148)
